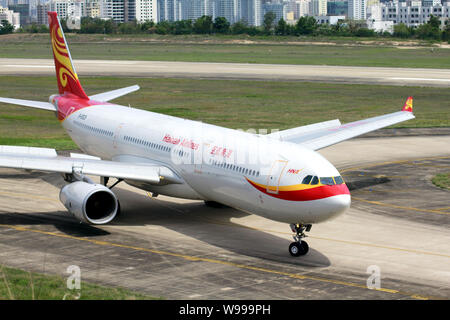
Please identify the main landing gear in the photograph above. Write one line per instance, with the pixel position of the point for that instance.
(299, 247)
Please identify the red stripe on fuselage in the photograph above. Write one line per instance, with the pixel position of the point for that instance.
(316, 193)
(69, 103)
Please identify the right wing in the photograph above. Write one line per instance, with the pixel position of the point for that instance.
(44, 159)
(324, 134)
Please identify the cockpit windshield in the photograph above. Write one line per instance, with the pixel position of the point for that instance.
(338, 180)
(307, 180)
(329, 181)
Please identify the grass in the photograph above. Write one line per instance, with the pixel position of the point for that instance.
(16, 284)
(223, 49)
(233, 104)
(442, 180)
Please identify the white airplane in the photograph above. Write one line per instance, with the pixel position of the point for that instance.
(279, 176)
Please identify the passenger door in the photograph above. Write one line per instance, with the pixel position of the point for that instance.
(273, 180)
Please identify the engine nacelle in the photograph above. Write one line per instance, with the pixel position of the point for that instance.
(90, 203)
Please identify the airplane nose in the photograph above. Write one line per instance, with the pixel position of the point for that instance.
(340, 203)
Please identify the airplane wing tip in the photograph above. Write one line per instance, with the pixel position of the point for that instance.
(408, 106)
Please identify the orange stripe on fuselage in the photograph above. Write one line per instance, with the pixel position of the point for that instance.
(302, 192)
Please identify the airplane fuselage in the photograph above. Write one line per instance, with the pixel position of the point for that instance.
(243, 170)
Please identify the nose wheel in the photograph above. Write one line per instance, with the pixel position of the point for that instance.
(299, 247)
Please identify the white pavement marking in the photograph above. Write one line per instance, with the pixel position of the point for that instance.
(421, 79)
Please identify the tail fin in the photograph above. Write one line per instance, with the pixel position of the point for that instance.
(65, 72)
(408, 105)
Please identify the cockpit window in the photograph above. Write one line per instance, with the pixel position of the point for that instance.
(315, 180)
(338, 180)
(327, 180)
(307, 180)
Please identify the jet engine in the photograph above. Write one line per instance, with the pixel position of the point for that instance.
(90, 203)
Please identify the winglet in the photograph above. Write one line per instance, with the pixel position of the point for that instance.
(408, 105)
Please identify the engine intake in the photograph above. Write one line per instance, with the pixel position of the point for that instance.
(90, 203)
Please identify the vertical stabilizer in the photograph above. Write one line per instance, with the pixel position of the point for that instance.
(65, 72)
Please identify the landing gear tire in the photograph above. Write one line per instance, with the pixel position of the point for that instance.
(297, 249)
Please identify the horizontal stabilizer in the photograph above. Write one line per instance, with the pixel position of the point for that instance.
(29, 103)
(111, 95)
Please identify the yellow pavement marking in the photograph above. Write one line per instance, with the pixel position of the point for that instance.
(364, 244)
(440, 209)
(399, 207)
(222, 262)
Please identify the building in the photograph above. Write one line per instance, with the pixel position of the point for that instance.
(337, 8)
(146, 10)
(10, 16)
(23, 8)
(412, 13)
(319, 7)
(41, 12)
(92, 8)
(357, 9)
(302, 8)
(329, 19)
(251, 11)
(280, 10)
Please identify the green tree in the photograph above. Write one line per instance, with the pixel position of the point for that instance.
(203, 25)
(430, 30)
(446, 32)
(221, 25)
(183, 27)
(401, 30)
(164, 27)
(306, 25)
(130, 27)
(6, 27)
(434, 22)
(239, 27)
(269, 18)
(147, 27)
(282, 28)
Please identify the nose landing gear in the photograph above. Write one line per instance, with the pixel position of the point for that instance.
(299, 247)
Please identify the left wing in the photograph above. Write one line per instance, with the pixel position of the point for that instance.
(44, 159)
(329, 135)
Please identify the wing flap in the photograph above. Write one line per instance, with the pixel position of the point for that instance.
(29, 103)
(111, 95)
(292, 134)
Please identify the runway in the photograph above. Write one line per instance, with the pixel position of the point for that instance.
(180, 249)
(203, 70)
